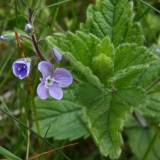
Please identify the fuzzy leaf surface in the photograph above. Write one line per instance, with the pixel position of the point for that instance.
(113, 18)
(106, 113)
(80, 49)
(65, 117)
(150, 81)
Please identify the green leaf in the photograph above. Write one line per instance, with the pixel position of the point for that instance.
(80, 49)
(140, 139)
(113, 18)
(128, 55)
(8, 154)
(28, 3)
(64, 116)
(106, 113)
(102, 66)
(106, 48)
(22, 8)
(149, 80)
(44, 33)
(125, 77)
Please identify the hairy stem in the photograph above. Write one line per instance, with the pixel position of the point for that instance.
(37, 48)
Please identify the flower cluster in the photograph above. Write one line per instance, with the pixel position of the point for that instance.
(51, 82)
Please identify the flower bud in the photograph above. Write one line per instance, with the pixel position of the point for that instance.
(57, 55)
(21, 67)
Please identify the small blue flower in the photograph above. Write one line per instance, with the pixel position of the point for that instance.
(21, 68)
(57, 55)
(51, 83)
(158, 49)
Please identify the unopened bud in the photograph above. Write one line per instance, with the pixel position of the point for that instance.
(29, 28)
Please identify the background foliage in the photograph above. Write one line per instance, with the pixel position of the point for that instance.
(138, 132)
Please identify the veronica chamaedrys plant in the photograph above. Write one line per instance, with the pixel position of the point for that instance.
(51, 83)
(57, 55)
(21, 67)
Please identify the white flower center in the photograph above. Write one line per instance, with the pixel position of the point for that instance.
(49, 81)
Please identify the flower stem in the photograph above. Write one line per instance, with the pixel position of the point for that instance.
(153, 84)
(37, 48)
(152, 143)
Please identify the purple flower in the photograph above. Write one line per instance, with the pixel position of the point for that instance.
(158, 49)
(21, 68)
(51, 83)
(57, 55)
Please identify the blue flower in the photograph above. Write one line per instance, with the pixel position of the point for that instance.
(21, 68)
(57, 55)
(158, 49)
(51, 83)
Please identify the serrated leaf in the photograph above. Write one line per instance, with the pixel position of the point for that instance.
(140, 139)
(64, 116)
(106, 112)
(79, 48)
(125, 77)
(102, 66)
(113, 18)
(106, 48)
(8, 154)
(149, 80)
(128, 55)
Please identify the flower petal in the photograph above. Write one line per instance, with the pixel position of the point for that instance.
(42, 91)
(45, 68)
(57, 55)
(158, 49)
(21, 68)
(56, 92)
(63, 76)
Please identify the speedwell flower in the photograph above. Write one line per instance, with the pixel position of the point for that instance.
(158, 49)
(51, 83)
(57, 55)
(21, 68)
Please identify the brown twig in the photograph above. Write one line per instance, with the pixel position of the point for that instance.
(50, 151)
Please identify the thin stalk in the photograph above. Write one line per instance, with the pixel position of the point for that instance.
(150, 6)
(152, 143)
(37, 48)
(73, 14)
(7, 5)
(15, 1)
(29, 82)
(43, 141)
(40, 137)
(55, 4)
(153, 84)
(28, 142)
(53, 21)
(10, 18)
